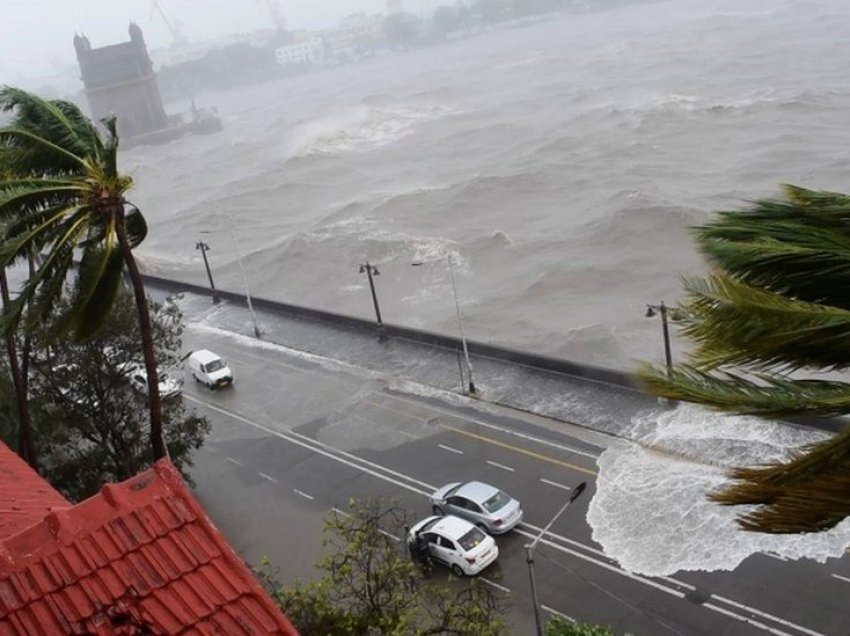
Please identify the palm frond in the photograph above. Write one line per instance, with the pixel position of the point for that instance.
(137, 226)
(733, 322)
(810, 493)
(764, 394)
(799, 247)
(53, 135)
(97, 287)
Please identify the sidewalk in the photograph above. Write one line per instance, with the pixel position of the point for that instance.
(598, 405)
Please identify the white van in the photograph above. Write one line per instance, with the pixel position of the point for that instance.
(209, 369)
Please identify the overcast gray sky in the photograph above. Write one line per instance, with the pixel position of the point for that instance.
(36, 36)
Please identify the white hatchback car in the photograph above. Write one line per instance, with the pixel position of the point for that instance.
(454, 542)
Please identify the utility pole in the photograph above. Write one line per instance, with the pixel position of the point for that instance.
(200, 245)
(371, 271)
(529, 555)
(665, 329)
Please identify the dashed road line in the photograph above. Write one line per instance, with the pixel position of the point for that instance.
(501, 588)
(340, 512)
(380, 472)
(301, 493)
(555, 484)
(521, 451)
(268, 477)
(502, 466)
(841, 578)
(234, 461)
(450, 449)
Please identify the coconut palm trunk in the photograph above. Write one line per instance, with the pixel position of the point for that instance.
(146, 332)
(26, 445)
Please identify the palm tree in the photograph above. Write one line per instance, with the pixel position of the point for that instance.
(67, 196)
(18, 368)
(774, 309)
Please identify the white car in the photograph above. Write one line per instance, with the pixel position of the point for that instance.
(484, 505)
(455, 542)
(168, 387)
(209, 369)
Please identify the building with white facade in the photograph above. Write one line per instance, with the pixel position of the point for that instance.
(307, 52)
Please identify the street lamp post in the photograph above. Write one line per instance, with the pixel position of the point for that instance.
(471, 386)
(200, 245)
(460, 326)
(371, 271)
(662, 309)
(245, 281)
(529, 554)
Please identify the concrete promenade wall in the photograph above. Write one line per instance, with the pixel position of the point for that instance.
(514, 356)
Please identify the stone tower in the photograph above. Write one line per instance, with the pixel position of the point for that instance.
(119, 79)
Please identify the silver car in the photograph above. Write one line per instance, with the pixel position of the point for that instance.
(486, 506)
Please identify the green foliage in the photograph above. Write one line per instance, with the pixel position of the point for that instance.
(90, 423)
(774, 307)
(370, 585)
(562, 627)
(61, 192)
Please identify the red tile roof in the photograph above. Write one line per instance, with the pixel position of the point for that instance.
(139, 557)
(25, 498)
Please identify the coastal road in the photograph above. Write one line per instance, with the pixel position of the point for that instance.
(297, 437)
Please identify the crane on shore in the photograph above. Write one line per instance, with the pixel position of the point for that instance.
(177, 34)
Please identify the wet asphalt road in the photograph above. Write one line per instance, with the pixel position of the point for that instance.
(296, 437)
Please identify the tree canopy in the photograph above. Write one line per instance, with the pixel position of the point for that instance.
(371, 586)
(62, 199)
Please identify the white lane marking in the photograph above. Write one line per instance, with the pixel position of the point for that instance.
(781, 621)
(301, 493)
(555, 484)
(390, 535)
(841, 578)
(340, 512)
(745, 619)
(268, 477)
(507, 431)
(233, 461)
(450, 449)
(319, 448)
(502, 588)
(557, 613)
(773, 555)
(502, 466)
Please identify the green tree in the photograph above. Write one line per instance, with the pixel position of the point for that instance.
(17, 360)
(562, 627)
(89, 421)
(65, 194)
(774, 309)
(371, 585)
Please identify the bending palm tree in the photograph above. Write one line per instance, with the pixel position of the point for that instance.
(776, 302)
(70, 196)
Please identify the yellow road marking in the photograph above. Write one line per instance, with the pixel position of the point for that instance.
(517, 449)
(490, 440)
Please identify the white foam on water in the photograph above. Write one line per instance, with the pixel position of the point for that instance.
(650, 510)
